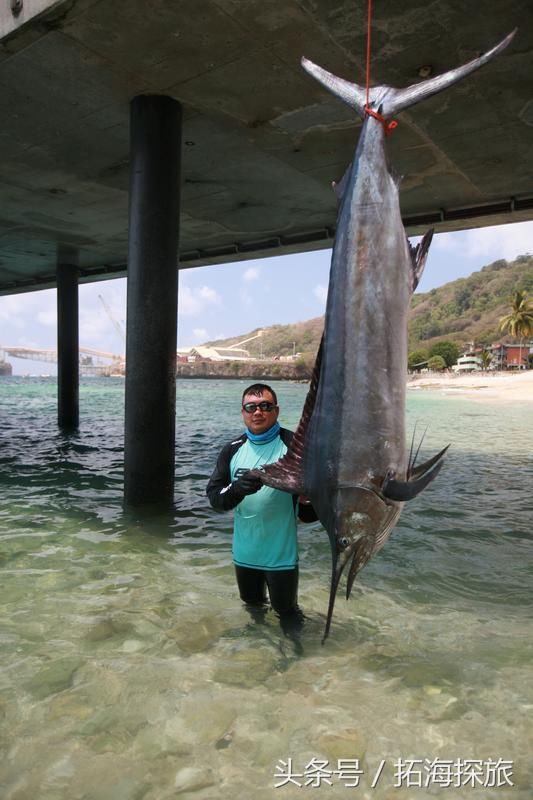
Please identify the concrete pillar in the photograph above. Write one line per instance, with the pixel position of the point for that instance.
(151, 328)
(67, 341)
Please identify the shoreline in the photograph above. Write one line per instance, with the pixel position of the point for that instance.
(504, 387)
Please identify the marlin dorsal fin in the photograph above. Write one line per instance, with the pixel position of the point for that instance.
(287, 473)
(419, 255)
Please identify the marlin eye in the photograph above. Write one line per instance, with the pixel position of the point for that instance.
(344, 542)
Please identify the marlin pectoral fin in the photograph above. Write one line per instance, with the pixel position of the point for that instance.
(401, 491)
(285, 475)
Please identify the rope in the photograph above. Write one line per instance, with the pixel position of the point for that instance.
(387, 126)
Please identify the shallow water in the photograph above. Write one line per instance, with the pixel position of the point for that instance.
(130, 669)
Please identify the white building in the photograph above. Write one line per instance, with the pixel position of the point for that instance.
(468, 363)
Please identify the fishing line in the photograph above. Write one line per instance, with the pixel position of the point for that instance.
(387, 126)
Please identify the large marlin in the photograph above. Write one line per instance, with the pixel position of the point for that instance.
(348, 454)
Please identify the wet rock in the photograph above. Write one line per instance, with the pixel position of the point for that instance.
(32, 632)
(440, 705)
(100, 722)
(432, 690)
(224, 741)
(100, 631)
(69, 704)
(107, 629)
(106, 777)
(54, 678)
(422, 673)
(162, 739)
(204, 718)
(192, 779)
(132, 646)
(196, 636)
(304, 678)
(246, 668)
(345, 743)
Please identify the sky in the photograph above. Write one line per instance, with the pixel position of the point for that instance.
(217, 302)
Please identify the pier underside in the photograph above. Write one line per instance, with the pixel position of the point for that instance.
(218, 95)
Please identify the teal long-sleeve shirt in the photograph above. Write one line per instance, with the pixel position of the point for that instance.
(265, 523)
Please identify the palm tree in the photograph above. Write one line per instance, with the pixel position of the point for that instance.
(486, 359)
(519, 322)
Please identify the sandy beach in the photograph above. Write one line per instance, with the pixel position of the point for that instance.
(504, 387)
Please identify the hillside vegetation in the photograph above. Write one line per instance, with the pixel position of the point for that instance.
(469, 309)
(463, 311)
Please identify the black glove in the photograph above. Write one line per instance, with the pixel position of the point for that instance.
(247, 484)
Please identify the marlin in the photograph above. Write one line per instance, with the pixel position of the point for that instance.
(348, 454)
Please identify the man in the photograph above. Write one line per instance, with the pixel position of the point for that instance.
(265, 545)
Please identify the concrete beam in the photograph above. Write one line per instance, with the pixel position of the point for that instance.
(14, 14)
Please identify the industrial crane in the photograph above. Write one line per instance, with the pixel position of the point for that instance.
(118, 327)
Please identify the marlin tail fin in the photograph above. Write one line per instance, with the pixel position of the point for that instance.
(389, 101)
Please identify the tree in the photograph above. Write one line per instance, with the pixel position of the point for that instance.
(463, 298)
(519, 322)
(416, 357)
(436, 364)
(449, 351)
(486, 358)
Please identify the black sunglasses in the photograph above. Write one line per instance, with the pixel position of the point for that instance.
(264, 405)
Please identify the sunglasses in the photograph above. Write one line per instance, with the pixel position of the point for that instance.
(251, 408)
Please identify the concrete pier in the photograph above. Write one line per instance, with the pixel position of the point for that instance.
(150, 410)
(67, 343)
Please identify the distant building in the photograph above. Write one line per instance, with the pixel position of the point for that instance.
(294, 357)
(510, 356)
(470, 361)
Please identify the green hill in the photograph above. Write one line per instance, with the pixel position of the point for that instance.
(469, 309)
(465, 310)
(281, 340)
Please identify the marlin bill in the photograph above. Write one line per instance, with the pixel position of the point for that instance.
(348, 454)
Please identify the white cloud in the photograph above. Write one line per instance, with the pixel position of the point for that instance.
(446, 242)
(10, 307)
(489, 244)
(95, 329)
(508, 241)
(48, 318)
(192, 302)
(200, 333)
(321, 292)
(251, 274)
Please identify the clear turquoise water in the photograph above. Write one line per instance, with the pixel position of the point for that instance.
(129, 668)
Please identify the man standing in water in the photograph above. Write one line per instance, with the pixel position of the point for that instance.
(265, 544)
